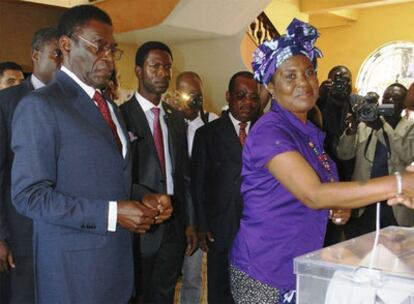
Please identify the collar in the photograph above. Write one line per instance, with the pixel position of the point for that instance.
(147, 105)
(88, 89)
(307, 128)
(236, 122)
(36, 83)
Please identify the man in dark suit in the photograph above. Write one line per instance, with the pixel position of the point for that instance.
(15, 229)
(215, 172)
(160, 164)
(71, 172)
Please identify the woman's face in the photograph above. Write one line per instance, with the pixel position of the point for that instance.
(295, 85)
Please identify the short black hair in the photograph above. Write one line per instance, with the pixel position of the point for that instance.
(9, 65)
(144, 50)
(244, 74)
(396, 84)
(43, 36)
(336, 69)
(78, 16)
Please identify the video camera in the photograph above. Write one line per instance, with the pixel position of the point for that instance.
(367, 111)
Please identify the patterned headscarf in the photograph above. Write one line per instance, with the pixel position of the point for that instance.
(299, 40)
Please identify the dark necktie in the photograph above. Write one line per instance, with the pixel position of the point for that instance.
(242, 132)
(158, 138)
(103, 108)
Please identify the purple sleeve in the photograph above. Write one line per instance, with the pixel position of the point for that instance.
(266, 141)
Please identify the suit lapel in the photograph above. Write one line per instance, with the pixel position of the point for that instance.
(86, 108)
(143, 133)
(228, 136)
(171, 123)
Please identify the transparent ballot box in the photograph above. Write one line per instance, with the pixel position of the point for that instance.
(352, 272)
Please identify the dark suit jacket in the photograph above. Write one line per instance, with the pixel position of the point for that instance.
(14, 228)
(147, 176)
(67, 166)
(215, 173)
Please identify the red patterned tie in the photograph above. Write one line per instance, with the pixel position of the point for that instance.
(242, 132)
(158, 138)
(103, 108)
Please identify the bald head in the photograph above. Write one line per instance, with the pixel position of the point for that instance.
(190, 84)
(339, 70)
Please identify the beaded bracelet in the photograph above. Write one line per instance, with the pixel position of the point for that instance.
(398, 179)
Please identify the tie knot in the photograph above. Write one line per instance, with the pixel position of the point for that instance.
(98, 97)
(156, 111)
(243, 125)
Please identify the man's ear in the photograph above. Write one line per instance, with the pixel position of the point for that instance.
(228, 96)
(35, 55)
(65, 44)
(138, 71)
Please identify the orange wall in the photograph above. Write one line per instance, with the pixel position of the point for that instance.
(350, 45)
(18, 22)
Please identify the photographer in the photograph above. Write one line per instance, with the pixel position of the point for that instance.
(336, 102)
(382, 143)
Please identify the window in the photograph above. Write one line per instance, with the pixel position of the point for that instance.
(393, 62)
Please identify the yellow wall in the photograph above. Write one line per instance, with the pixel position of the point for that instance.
(350, 45)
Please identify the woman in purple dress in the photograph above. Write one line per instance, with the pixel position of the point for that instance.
(289, 183)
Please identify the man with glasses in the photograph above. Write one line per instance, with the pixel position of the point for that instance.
(71, 173)
(16, 254)
(215, 173)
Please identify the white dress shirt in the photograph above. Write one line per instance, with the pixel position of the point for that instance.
(146, 106)
(193, 125)
(236, 124)
(113, 206)
(36, 83)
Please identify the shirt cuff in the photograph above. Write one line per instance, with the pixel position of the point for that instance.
(112, 216)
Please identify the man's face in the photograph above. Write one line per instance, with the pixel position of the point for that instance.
(88, 54)
(47, 61)
(192, 89)
(394, 95)
(155, 75)
(10, 78)
(244, 99)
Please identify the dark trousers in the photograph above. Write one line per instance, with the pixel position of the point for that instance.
(218, 278)
(160, 271)
(17, 286)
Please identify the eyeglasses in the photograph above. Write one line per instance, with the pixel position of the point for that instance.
(244, 95)
(103, 49)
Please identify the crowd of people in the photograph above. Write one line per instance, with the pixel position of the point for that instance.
(101, 203)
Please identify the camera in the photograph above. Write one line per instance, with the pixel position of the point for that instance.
(196, 102)
(340, 86)
(369, 112)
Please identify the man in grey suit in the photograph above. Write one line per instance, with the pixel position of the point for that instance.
(160, 164)
(71, 172)
(16, 254)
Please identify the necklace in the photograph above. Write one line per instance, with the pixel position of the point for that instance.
(323, 159)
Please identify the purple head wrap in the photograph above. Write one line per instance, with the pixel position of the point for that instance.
(299, 40)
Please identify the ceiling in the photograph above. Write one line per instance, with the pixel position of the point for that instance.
(179, 21)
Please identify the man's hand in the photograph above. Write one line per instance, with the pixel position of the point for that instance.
(203, 239)
(351, 123)
(376, 124)
(135, 217)
(160, 203)
(6, 258)
(191, 235)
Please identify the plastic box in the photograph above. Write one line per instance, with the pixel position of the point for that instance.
(341, 274)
